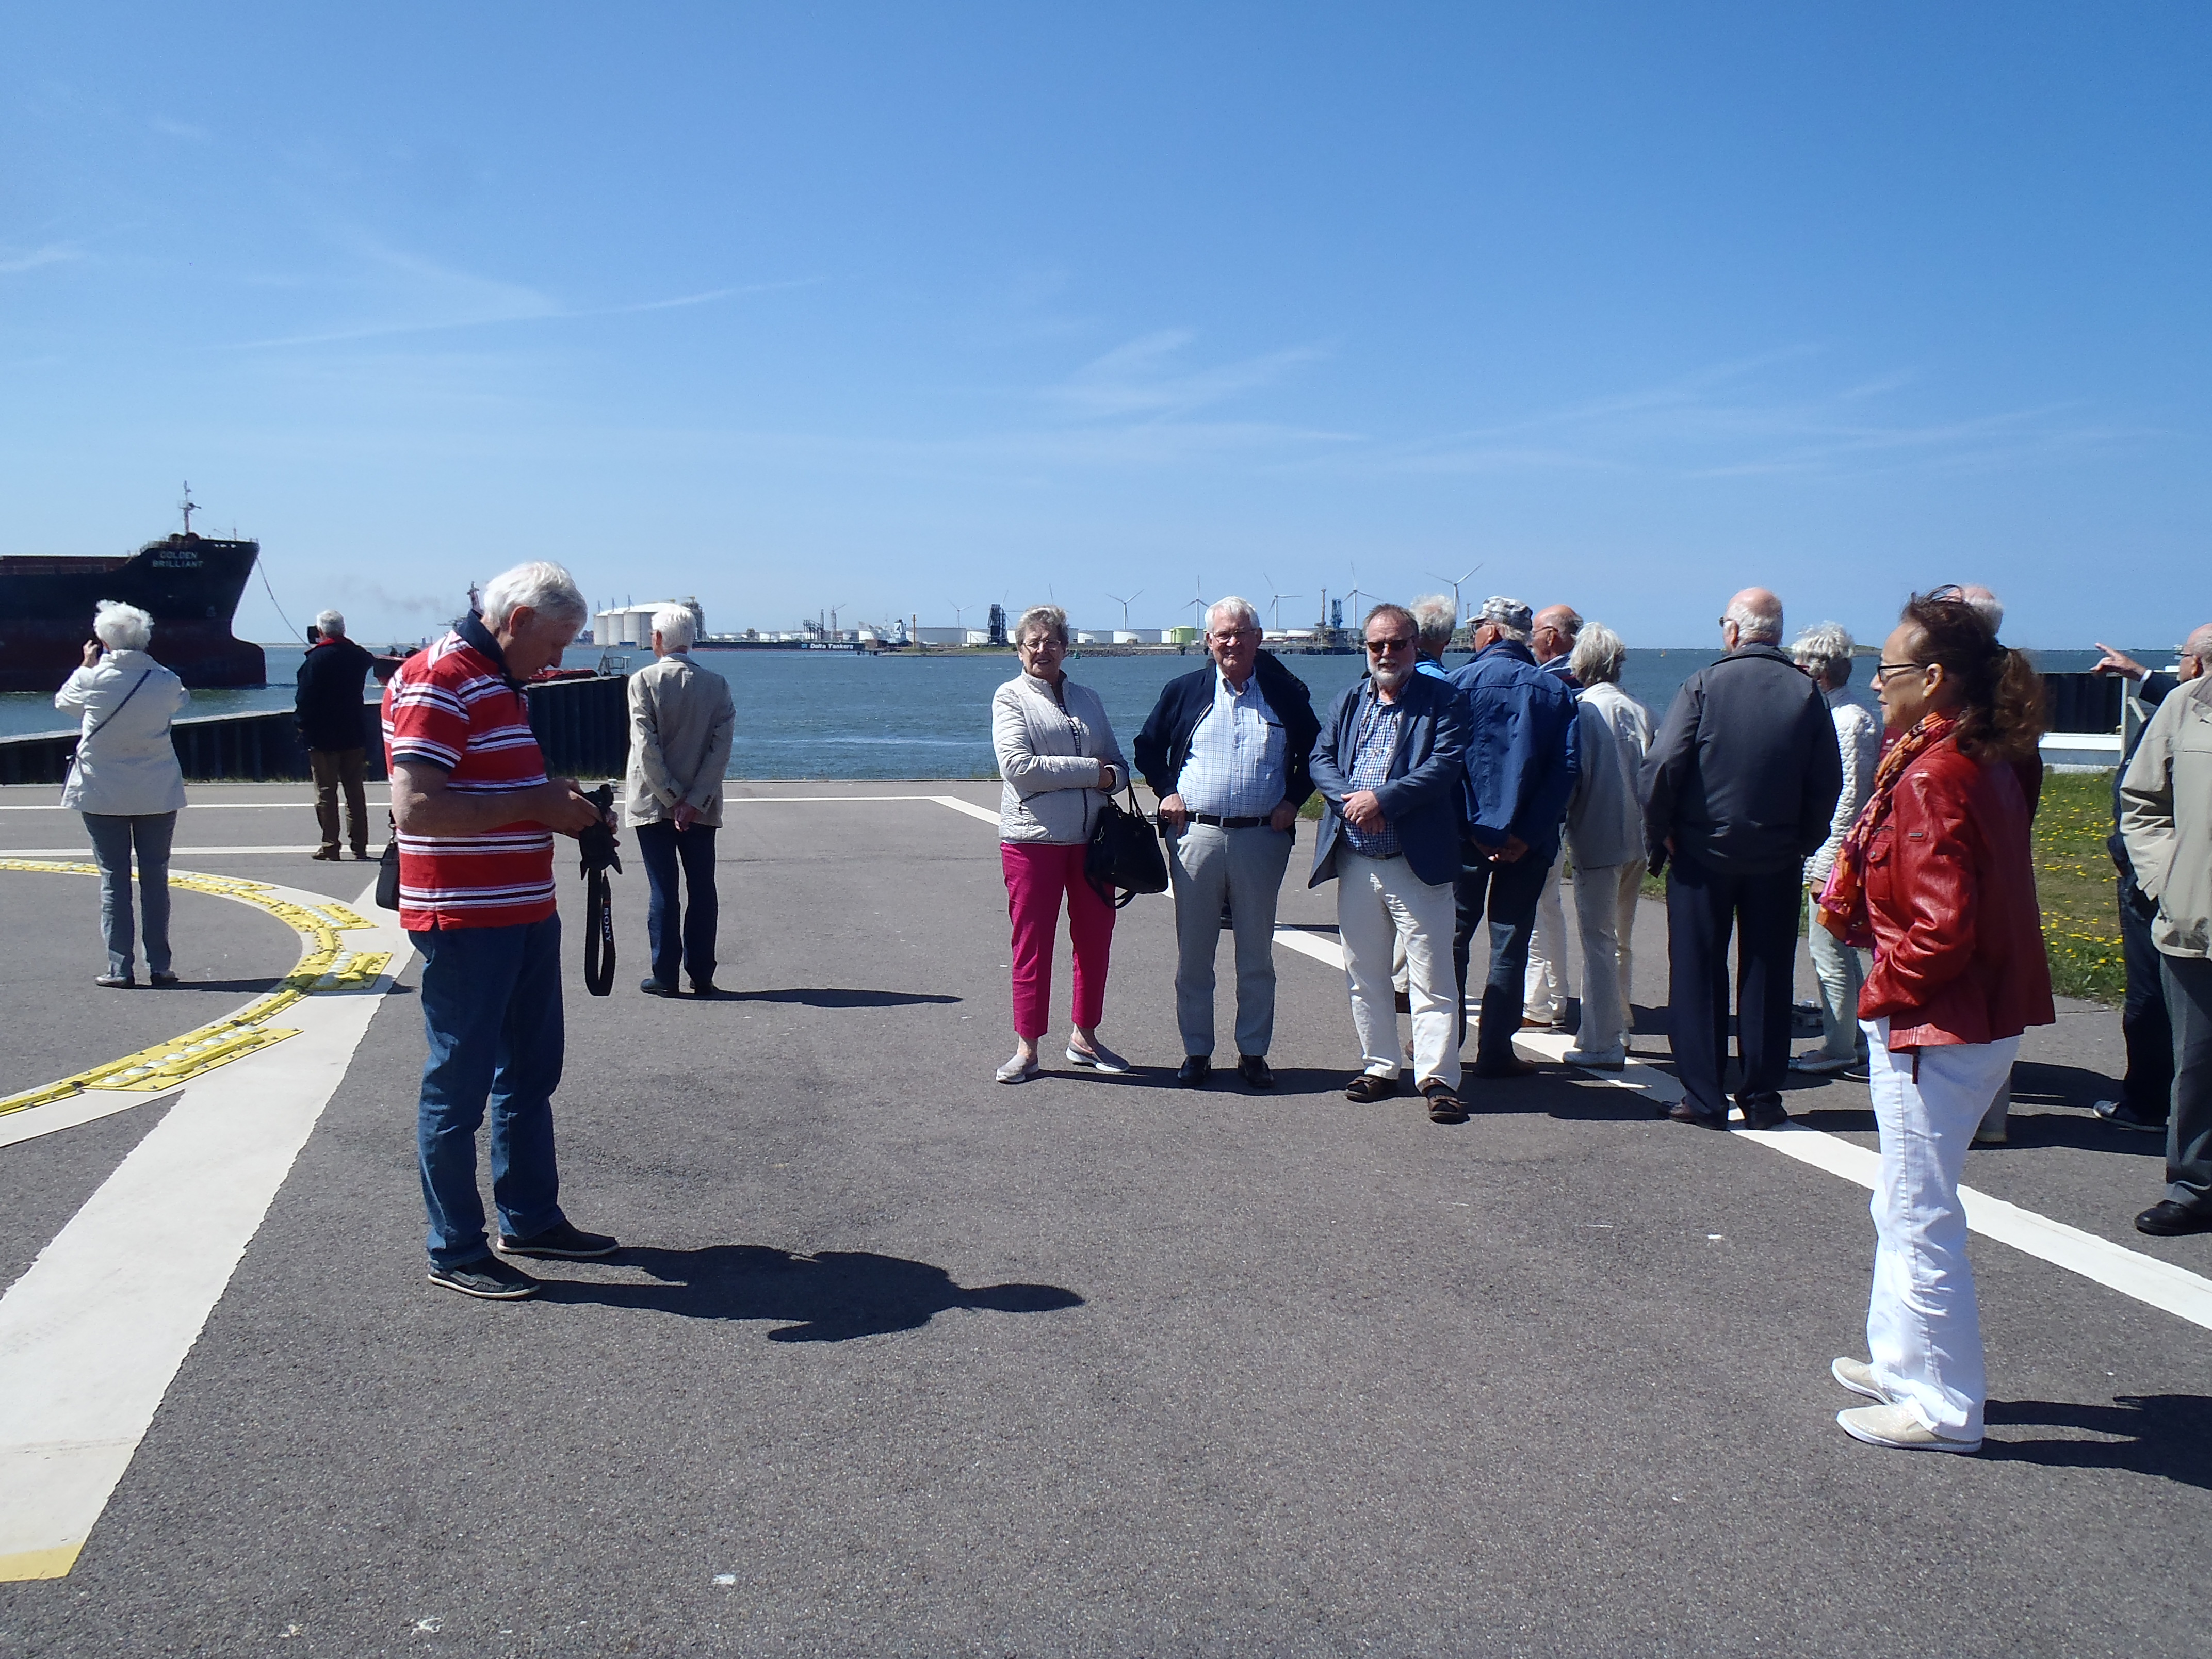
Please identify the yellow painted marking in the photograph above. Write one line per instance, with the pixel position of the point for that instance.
(40, 1563)
(324, 965)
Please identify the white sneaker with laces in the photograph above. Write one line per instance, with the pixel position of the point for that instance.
(1899, 1428)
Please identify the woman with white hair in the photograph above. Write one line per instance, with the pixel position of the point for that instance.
(126, 782)
(1825, 653)
(1605, 835)
(1059, 760)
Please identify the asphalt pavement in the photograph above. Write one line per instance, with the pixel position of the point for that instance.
(899, 1360)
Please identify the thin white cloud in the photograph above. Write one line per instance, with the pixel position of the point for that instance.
(1143, 377)
(53, 253)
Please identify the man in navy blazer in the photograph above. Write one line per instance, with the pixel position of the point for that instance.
(1520, 768)
(1388, 761)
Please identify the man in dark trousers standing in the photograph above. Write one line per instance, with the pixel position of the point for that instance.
(330, 714)
(1738, 789)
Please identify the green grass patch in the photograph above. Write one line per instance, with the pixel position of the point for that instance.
(2074, 878)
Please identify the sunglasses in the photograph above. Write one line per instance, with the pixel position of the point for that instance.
(1882, 671)
(1398, 642)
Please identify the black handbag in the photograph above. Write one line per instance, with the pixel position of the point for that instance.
(1124, 853)
(387, 870)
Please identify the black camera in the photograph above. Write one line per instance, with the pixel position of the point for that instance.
(597, 844)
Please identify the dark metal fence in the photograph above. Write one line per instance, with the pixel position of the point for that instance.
(2082, 703)
(583, 727)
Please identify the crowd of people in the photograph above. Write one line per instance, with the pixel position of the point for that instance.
(1451, 796)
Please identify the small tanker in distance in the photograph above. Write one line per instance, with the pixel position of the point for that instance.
(189, 584)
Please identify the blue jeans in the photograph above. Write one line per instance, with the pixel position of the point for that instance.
(682, 937)
(1509, 892)
(491, 1010)
(112, 838)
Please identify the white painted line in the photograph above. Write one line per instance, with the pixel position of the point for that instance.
(771, 801)
(90, 1107)
(207, 806)
(93, 1335)
(987, 814)
(83, 854)
(2146, 1279)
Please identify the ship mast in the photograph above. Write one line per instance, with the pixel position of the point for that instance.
(190, 506)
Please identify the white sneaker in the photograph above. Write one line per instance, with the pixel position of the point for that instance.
(1899, 1428)
(1017, 1070)
(1858, 1376)
(1597, 1060)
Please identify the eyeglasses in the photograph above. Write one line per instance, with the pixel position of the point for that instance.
(1396, 642)
(1236, 633)
(1882, 671)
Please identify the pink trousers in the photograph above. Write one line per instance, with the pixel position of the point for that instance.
(1037, 873)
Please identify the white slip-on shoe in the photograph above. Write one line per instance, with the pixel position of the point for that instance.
(1017, 1070)
(1597, 1060)
(1899, 1428)
(1858, 1376)
(1097, 1058)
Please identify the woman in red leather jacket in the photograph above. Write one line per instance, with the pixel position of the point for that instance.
(1937, 875)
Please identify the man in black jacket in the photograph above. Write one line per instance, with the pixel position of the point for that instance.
(329, 707)
(1226, 751)
(1738, 789)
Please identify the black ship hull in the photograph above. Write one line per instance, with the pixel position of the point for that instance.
(190, 584)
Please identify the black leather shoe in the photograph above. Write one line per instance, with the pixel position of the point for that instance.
(1512, 1066)
(1194, 1071)
(1682, 1112)
(2167, 1219)
(1367, 1088)
(1766, 1117)
(702, 987)
(1253, 1069)
(653, 987)
(2122, 1114)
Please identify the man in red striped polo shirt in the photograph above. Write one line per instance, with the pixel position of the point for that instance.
(475, 818)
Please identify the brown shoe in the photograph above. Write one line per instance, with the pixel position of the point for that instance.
(1367, 1088)
(328, 853)
(1444, 1106)
(1682, 1112)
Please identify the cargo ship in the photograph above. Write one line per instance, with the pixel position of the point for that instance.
(190, 584)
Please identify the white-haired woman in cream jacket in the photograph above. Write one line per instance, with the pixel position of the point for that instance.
(126, 782)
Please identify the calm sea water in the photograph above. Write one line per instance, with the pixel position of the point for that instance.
(832, 714)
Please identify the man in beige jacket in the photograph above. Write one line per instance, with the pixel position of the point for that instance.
(2165, 821)
(681, 720)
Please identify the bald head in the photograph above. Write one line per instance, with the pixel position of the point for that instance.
(2196, 653)
(1755, 616)
(1552, 633)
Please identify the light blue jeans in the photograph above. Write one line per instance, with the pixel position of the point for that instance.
(112, 839)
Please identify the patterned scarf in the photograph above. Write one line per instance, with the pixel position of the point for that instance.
(1843, 901)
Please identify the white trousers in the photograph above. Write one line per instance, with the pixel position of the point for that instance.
(1544, 987)
(1923, 1329)
(1380, 902)
(1605, 915)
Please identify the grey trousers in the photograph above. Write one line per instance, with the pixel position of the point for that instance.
(1204, 864)
(2189, 1126)
(112, 838)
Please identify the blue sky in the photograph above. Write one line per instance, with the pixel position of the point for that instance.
(897, 307)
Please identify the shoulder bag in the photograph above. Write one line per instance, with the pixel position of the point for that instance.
(1124, 853)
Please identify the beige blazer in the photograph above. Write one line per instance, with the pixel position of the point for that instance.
(681, 721)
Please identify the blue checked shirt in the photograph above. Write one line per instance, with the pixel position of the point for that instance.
(1375, 744)
(1234, 768)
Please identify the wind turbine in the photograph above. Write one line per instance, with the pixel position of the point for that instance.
(1125, 604)
(1197, 604)
(1278, 598)
(1453, 582)
(1354, 595)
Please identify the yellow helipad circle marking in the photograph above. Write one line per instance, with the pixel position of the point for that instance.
(324, 965)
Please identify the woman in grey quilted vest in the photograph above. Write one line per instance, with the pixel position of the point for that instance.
(1059, 761)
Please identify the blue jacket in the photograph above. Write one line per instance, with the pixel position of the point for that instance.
(1421, 795)
(1164, 744)
(1521, 750)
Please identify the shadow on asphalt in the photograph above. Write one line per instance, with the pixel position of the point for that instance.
(831, 1297)
(2166, 1434)
(2039, 1082)
(824, 997)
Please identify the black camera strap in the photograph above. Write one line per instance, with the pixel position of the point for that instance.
(596, 847)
